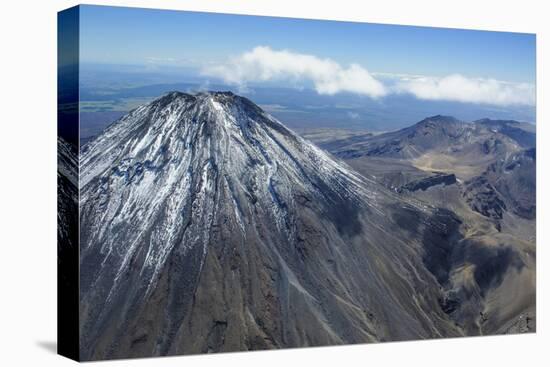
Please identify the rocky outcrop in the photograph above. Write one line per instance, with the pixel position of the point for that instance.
(426, 183)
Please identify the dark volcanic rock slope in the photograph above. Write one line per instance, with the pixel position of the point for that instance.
(523, 133)
(482, 173)
(442, 134)
(208, 226)
(515, 179)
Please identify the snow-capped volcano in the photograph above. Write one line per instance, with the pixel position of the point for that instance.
(207, 225)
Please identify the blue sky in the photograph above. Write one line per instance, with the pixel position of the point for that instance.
(131, 36)
(460, 65)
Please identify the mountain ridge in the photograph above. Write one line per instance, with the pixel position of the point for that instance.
(209, 226)
(192, 196)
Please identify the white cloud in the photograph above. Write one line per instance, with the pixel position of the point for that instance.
(328, 77)
(470, 90)
(353, 115)
(262, 64)
(159, 60)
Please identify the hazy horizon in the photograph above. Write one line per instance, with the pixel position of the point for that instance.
(334, 74)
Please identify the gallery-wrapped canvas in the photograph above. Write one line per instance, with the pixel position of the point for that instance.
(231, 183)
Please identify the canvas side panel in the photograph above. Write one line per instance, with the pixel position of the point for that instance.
(67, 184)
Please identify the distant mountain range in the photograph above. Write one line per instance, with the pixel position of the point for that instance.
(485, 173)
(495, 158)
(444, 134)
(207, 226)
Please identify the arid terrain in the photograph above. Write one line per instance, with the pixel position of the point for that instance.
(208, 226)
